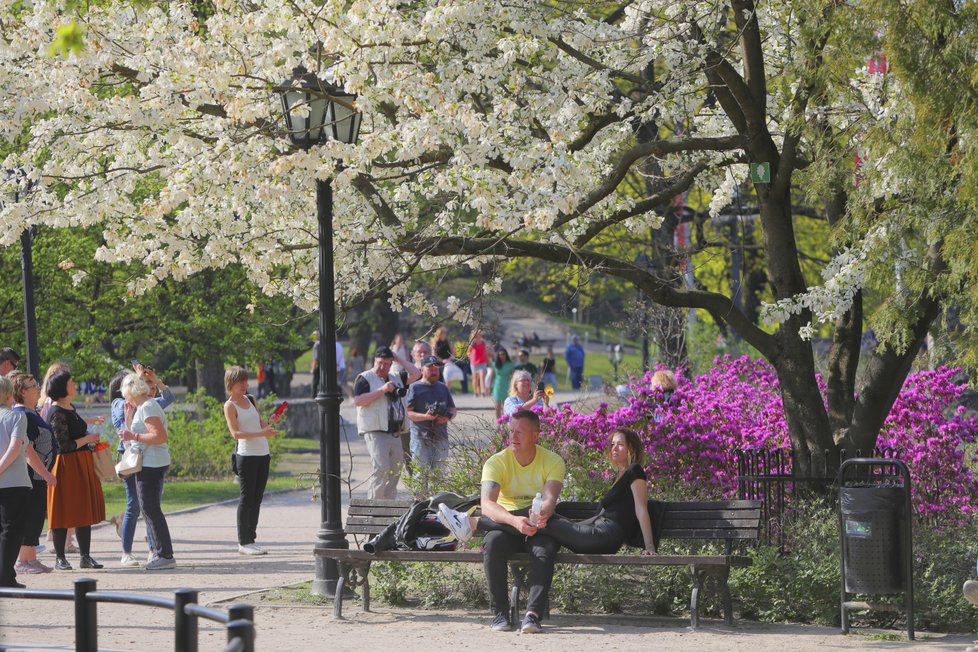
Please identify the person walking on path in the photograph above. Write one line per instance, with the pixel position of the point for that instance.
(478, 362)
(510, 479)
(502, 373)
(15, 484)
(549, 369)
(379, 397)
(574, 355)
(76, 500)
(40, 453)
(148, 433)
(430, 407)
(252, 455)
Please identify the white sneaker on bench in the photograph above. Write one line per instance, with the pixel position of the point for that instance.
(456, 522)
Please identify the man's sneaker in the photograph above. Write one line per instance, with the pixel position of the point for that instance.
(161, 563)
(250, 549)
(456, 522)
(129, 561)
(531, 624)
(26, 568)
(501, 623)
(971, 591)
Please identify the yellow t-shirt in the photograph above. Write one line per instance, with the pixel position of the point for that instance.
(519, 484)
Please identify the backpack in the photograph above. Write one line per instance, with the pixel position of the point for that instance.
(419, 528)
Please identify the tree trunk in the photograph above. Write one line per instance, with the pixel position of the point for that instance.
(210, 377)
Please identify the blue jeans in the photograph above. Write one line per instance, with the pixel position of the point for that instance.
(428, 453)
(550, 378)
(131, 515)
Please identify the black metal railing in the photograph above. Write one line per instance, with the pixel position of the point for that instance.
(238, 619)
(767, 475)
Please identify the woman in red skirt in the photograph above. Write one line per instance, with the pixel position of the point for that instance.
(77, 500)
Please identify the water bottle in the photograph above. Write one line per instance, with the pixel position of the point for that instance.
(536, 508)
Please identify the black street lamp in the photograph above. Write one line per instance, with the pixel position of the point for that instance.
(316, 110)
(22, 185)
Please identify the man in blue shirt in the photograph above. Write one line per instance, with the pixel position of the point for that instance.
(574, 354)
(429, 407)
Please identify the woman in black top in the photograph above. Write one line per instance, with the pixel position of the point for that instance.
(624, 508)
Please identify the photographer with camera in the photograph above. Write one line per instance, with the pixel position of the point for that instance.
(429, 407)
(379, 397)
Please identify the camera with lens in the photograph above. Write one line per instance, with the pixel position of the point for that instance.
(398, 391)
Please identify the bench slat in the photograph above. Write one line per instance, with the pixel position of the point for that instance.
(564, 558)
(709, 523)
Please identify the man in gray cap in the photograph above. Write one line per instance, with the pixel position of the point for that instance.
(379, 397)
(429, 407)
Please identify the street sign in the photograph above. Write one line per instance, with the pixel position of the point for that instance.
(760, 172)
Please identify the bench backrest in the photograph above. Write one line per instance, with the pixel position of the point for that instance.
(726, 520)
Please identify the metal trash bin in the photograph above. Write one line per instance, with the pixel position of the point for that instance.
(875, 532)
(872, 536)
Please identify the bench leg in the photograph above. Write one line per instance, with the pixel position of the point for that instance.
(694, 597)
(338, 593)
(519, 578)
(724, 587)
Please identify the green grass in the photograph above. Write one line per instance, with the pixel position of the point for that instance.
(178, 494)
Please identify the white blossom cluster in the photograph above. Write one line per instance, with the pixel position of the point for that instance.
(163, 129)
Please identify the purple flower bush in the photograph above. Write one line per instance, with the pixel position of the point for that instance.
(691, 438)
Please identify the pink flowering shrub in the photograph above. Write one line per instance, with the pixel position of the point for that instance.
(691, 439)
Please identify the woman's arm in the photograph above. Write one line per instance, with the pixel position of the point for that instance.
(59, 426)
(34, 461)
(640, 492)
(11, 453)
(156, 435)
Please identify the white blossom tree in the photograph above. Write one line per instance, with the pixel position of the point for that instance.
(506, 128)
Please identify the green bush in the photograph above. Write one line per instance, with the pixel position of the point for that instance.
(199, 441)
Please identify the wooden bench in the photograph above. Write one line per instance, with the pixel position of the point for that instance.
(728, 521)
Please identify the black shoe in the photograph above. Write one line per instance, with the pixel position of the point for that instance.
(62, 564)
(501, 623)
(531, 624)
(88, 562)
(14, 584)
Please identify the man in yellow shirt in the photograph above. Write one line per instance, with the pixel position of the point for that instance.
(510, 480)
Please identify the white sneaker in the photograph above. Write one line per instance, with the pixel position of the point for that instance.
(128, 560)
(251, 549)
(456, 522)
(161, 563)
(150, 556)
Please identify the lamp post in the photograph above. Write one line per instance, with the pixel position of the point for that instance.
(23, 185)
(316, 110)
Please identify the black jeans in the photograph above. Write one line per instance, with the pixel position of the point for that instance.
(252, 478)
(35, 513)
(13, 502)
(598, 535)
(498, 546)
(149, 488)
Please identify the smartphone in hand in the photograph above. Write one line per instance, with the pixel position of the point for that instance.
(281, 408)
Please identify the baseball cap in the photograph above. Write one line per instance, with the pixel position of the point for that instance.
(383, 352)
(430, 359)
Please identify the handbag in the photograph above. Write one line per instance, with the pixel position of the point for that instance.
(102, 459)
(131, 462)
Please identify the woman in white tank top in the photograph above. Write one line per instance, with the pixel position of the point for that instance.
(252, 457)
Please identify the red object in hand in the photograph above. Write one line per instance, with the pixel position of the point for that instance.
(101, 446)
(280, 409)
